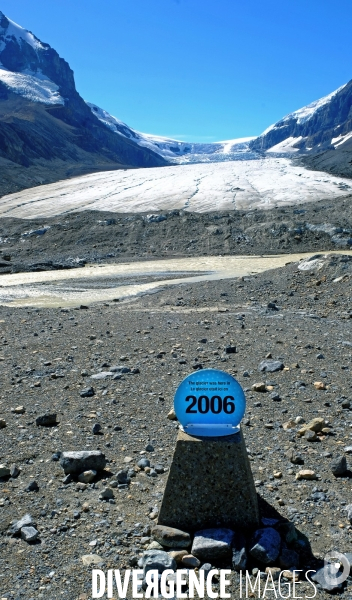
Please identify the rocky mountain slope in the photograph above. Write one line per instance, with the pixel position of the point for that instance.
(47, 131)
(322, 131)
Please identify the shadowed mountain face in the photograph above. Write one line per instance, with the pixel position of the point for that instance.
(314, 126)
(47, 131)
(322, 131)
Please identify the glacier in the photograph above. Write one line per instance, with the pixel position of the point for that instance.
(198, 187)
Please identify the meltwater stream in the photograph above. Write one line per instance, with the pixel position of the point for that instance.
(104, 283)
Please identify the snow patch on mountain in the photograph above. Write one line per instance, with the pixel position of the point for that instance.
(32, 86)
(9, 30)
(287, 146)
(341, 139)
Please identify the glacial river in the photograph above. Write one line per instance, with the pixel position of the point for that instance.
(104, 283)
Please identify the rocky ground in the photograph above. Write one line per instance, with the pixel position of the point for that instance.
(51, 357)
(90, 237)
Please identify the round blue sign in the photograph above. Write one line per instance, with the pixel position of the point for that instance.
(210, 403)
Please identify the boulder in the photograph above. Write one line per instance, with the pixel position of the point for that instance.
(212, 544)
(47, 420)
(77, 462)
(271, 366)
(157, 560)
(266, 545)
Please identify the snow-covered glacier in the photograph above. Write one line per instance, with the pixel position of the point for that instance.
(200, 187)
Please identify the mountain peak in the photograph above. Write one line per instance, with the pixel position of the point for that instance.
(13, 34)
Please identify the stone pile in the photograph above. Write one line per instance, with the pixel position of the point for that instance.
(276, 547)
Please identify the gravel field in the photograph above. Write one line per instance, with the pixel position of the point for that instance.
(50, 359)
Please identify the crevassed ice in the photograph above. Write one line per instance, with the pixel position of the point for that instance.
(34, 87)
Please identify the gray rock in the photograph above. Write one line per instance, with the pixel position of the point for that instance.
(206, 567)
(159, 469)
(152, 473)
(310, 436)
(294, 457)
(239, 554)
(143, 463)
(230, 350)
(87, 392)
(265, 545)
(318, 496)
(25, 521)
(29, 534)
(272, 306)
(96, 429)
(149, 448)
(87, 476)
(320, 578)
(271, 366)
(122, 476)
(155, 218)
(106, 494)
(338, 466)
(158, 560)
(14, 471)
(346, 404)
(170, 537)
(120, 369)
(4, 471)
(103, 375)
(80, 461)
(212, 544)
(32, 487)
(47, 420)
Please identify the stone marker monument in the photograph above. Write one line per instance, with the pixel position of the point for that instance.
(210, 482)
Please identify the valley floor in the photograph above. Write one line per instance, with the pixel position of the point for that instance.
(49, 355)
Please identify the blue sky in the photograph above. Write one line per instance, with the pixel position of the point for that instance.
(198, 70)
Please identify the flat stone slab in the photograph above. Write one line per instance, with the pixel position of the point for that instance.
(210, 484)
(212, 544)
(170, 537)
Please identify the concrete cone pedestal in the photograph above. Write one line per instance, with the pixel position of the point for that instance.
(210, 484)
